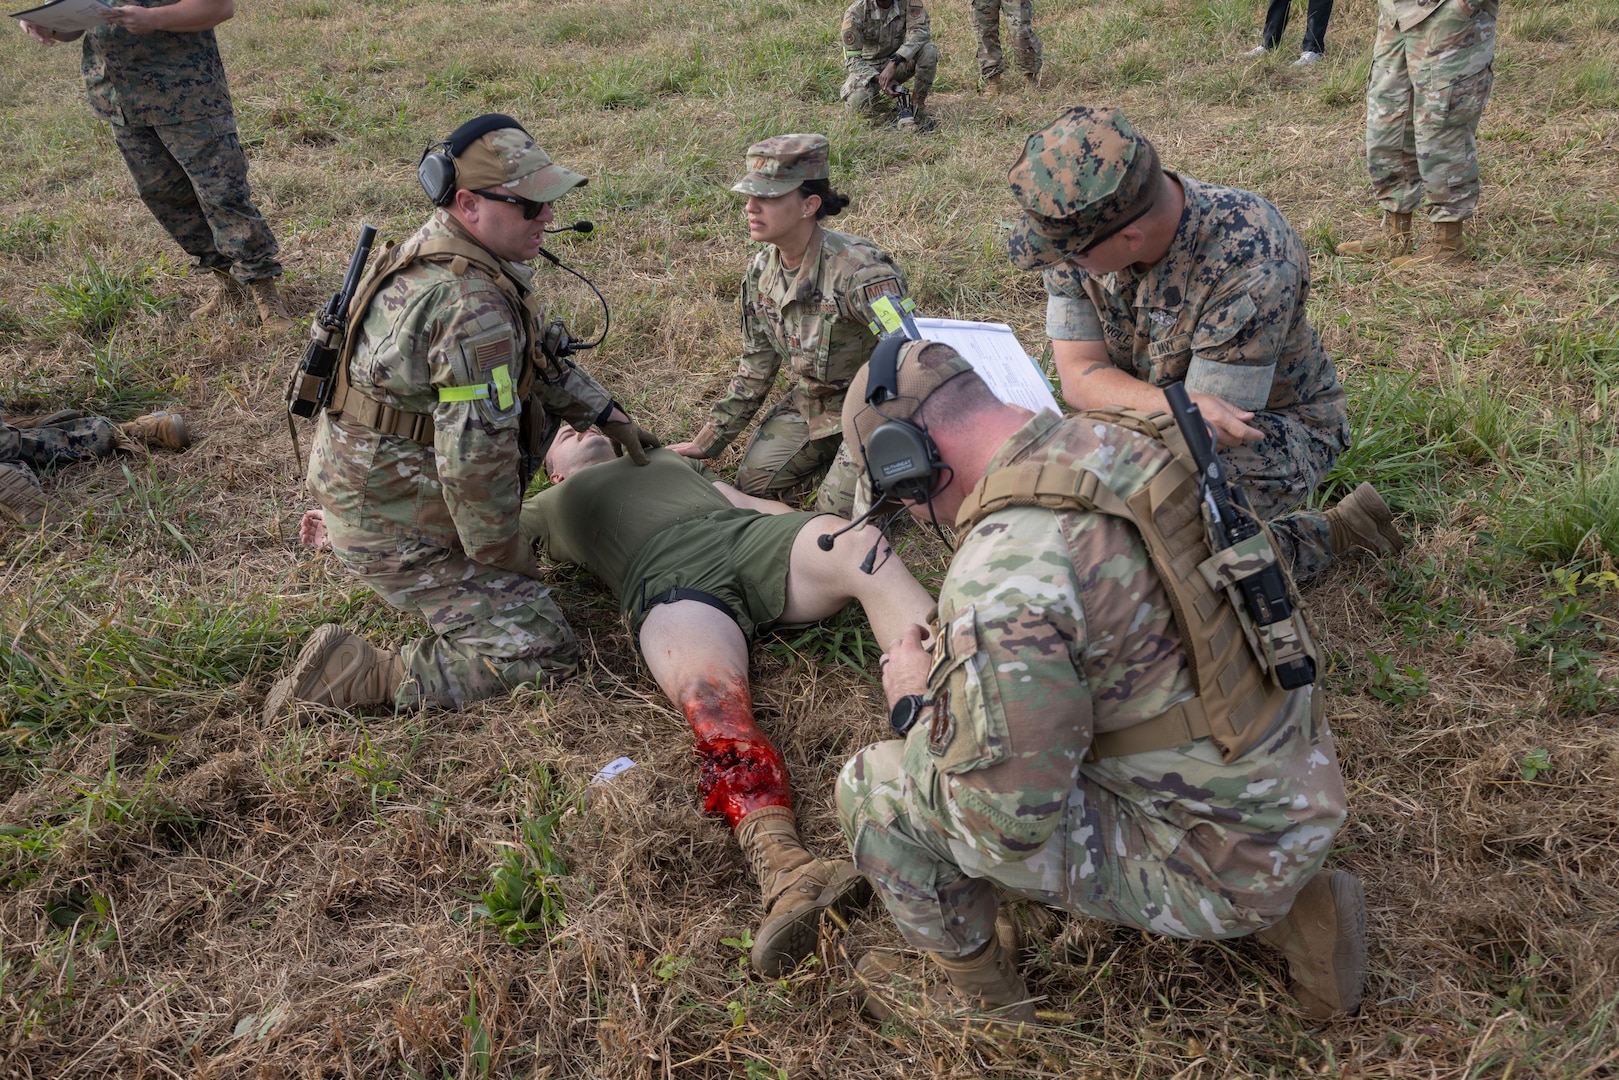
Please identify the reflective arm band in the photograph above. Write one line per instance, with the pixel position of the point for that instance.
(463, 393)
(502, 378)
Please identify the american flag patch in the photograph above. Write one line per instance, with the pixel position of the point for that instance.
(492, 354)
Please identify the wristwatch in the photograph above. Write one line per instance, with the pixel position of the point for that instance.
(902, 717)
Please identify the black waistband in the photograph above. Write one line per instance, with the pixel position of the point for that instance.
(669, 596)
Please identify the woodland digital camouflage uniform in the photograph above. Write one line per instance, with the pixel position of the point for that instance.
(1026, 49)
(1430, 80)
(166, 97)
(1224, 311)
(817, 320)
(60, 439)
(1053, 626)
(434, 529)
(874, 35)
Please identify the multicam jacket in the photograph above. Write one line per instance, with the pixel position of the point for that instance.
(1223, 310)
(163, 77)
(816, 319)
(1053, 626)
(431, 328)
(874, 33)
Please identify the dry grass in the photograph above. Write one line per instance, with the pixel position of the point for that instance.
(186, 890)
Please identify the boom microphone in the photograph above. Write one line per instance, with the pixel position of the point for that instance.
(578, 227)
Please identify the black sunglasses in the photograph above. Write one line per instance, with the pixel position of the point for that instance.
(531, 209)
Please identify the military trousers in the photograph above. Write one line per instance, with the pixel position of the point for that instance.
(781, 461)
(193, 178)
(59, 439)
(1427, 91)
(493, 629)
(1278, 473)
(861, 92)
(1026, 49)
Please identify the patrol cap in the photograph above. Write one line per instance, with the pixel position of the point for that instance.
(1079, 181)
(507, 158)
(780, 164)
(922, 368)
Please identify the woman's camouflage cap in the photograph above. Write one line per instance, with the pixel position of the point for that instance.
(509, 160)
(780, 164)
(1078, 181)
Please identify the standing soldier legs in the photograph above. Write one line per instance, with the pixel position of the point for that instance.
(1026, 49)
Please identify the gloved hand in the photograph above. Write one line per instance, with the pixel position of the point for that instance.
(627, 435)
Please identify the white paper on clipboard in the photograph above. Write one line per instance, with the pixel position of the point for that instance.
(66, 16)
(999, 358)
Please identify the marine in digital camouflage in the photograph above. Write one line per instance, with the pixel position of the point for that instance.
(1026, 49)
(1431, 76)
(1052, 627)
(438, 526)
(816, 320)
(166, 97)
(875, 33)
(1224, 311)
(57, 440)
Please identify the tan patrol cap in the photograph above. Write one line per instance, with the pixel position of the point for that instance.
(922, 368)
(780, 164)
(508, 159)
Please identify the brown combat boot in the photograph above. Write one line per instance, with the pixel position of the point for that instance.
(164, 429)
(339, 669)
(225, 291)
(21, 499)
(1362, 521)
(273, 314)
(993, 86)
(1446, 247)
(1323, 937)
(797, 887)
(1394, 239)
(987, 981)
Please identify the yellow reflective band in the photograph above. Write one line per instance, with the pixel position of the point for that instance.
(908, 305)
(887, 314)
(502, 377)
(462, 393)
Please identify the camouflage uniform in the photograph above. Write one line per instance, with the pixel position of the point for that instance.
(62, 439)
(1026, 50)
(1430, 80)
(817, 319)
(1223, 311)
(434, 528)
(874, 35)
(1053, 627)
(167, 100)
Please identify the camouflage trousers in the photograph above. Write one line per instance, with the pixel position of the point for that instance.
(1118, 859)
(1026, 50)
(493, 629)
(1279, 473)
(781, 461)
(193, 178)
(61, 439)
(860, 90)
(1427, 90)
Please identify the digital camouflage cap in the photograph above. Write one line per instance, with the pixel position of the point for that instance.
(1079, 181)
(508, 159)
(922, 368)
(780, 164)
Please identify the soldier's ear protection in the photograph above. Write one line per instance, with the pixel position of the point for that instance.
(901, 459)
(436, 170)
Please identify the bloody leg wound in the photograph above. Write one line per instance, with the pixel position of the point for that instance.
(741, 771)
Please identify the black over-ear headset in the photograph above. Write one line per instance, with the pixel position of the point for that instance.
(436, 171)
(902, 461)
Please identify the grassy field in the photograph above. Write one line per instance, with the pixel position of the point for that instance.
(189, 891)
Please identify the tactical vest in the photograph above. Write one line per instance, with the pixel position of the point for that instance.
(355, 406)
(1237, 701)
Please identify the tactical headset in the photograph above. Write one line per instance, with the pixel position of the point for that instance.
(436, 171)
(902, 461)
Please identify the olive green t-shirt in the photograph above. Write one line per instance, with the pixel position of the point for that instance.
(601, 517)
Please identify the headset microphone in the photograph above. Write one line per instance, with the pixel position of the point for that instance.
(825, 540)
(578, 227)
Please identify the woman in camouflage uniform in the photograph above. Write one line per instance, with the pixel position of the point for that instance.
(807, 301)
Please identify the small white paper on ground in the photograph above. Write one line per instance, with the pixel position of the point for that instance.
(611, 769)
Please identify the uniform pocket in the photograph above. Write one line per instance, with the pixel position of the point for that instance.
(968, 723)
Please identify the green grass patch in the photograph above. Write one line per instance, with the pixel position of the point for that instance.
(94, 301)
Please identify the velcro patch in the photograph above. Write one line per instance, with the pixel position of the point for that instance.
(493, 354)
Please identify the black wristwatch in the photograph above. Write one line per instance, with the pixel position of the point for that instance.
(902, 717)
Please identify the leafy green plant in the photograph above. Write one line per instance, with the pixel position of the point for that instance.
(1535, 763)
(523, 899)
(94, 301)
(668, 967)
(1393, 682)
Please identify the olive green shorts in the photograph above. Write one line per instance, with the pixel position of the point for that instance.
(736, 557)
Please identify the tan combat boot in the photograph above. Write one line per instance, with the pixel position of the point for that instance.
(993, 86)
(21, 499)
(273, 314)
(164, 429)
(1323, 937)
(225, 291)
(987, 981)
(1362, 521)
(1393, 239)
(1446, 247)
(339, 669)
(797, 887)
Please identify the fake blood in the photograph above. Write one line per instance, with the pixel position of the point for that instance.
(741, 771)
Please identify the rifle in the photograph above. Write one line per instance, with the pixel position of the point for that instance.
(312, 382)
(1231, 520)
